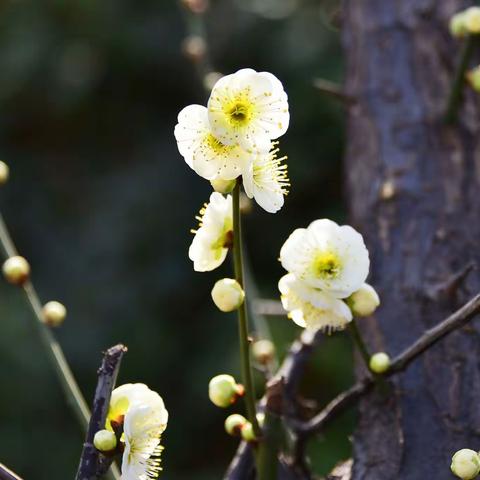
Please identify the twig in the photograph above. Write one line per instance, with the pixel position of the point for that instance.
(333, 90)
(7, 474)
(72, 392)
(359, 342)
(337, 406)
(459, 81)
(107, 376)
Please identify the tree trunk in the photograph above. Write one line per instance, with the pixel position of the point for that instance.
(413, 188)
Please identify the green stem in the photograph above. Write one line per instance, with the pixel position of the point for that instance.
(69, 385)
(459, 81)
(357, 338)
(267, 458)
(246, 367)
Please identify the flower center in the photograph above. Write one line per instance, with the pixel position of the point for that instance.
(239, 110)
(327, 265)
(215, 144)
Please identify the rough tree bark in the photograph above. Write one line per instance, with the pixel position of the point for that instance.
(413, 188)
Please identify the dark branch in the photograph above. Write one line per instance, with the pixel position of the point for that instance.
(92, 463)
(333, 90)
(337, 406)
(7, 474)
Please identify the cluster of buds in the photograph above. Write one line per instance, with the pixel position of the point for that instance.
(466, 464)
(466, 22)
(238, 426)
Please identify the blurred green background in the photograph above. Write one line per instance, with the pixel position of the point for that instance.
(101, 203)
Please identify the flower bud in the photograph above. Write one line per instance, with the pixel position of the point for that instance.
(364, 301)
(457, 25)
(105, 441)
(473, 77)
(234, 424)
(465, 464)
(16, 270)
(4, 173)
(263, 351)
(223, 391)
(379, 362)
(194, 48)
(54, 313)
(247, 433)
(223, 186)
(227, 294)
(472, 20)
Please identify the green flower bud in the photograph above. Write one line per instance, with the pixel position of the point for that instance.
(379, 362)
(227, 294)
(223, 186)
(263, 351)
(472, 19)
(466, 464)
(457, 25)
(364, 301)
(4, 173)
(54, 313)
(247, 433)
(16, 270)
(223, 391)
(234, 424)
(105, 441)
(473, 77)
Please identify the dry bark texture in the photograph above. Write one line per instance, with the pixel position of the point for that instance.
(413, 188)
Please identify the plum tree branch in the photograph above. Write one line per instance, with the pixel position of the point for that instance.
(92, 465)
(7, 474)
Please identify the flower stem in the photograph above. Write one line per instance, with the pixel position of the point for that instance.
(459, 81)
(69, 385)
(246, 367)
(357, 338)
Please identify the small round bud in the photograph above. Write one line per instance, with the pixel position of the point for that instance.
(223, 186)
(472, 20)
(234, 424)
(263, 351)
(473, 77)
(457, 25)
(223, 390)
(54, 313)
(466, 464)
(227, 294)
(247, 433)
(4, 173)
(194, 48)
(16, 270)
(379, 362)
(105, 441)
(364, 301)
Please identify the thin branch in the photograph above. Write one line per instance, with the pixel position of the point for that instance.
(7, 474)
(89, 468)
(333, 90)
(337, 406)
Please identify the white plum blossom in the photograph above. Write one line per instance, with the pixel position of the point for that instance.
(311, 308)
(249, 109)
(327, 256)
(142, 430)
(266, 180)
(203, 152)
(215, 234)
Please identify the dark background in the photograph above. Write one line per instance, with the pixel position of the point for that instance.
(101, 203)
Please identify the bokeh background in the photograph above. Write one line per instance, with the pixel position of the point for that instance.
(101, 203)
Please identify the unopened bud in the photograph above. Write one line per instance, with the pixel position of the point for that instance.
(234, 424)
(223, 186)
(466, 464)
(379, 362)
(194, 47)
(472, 20)
(227, 294)
(54, 313)
(16, 270)
(223, 390)
(263, 351)
(364, 301)
(105, 441)
(247, 433)
(457, 25)
(4, 173)
(473, 77)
